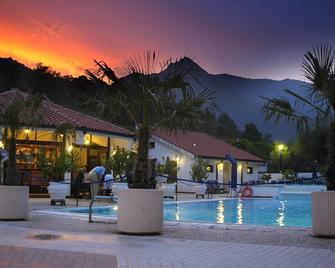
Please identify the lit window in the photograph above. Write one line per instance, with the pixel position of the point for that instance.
(210, 168)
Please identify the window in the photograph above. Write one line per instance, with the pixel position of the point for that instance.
(152, 145)
(250, 170)
(210, 168)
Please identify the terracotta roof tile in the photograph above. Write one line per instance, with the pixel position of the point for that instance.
(204, 145)
(54, 114)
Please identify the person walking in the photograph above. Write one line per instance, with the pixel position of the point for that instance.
(95, 177)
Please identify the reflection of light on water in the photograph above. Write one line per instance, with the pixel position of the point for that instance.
(281, 214)
(220, 209)
(177, 213)
(239, 212)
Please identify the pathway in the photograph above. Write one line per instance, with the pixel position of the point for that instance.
(161, 252)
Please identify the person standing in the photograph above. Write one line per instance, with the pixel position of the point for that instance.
(95, 177)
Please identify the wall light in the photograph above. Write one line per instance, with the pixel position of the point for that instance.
(69, 148)
(220, 166)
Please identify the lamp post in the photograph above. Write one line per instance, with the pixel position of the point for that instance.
(280, 148)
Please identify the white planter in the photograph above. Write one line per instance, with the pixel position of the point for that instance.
(59, 190)
(140, 211)
(119, 186)
(200, 189)
(323, 213)
(160, 180)
(186, 186)
(14, 202)
(169, 189)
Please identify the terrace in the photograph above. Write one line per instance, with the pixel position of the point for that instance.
(180, 245)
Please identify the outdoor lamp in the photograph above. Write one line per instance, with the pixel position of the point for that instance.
(70, 148)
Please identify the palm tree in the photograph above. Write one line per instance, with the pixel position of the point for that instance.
(21, 111)
(319, 69)
(64, 132)
(152, 95)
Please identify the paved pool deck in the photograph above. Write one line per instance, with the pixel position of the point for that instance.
(181, 244)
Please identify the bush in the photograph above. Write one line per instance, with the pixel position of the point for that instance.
(55, 165)
(266, 177)
(199, 169)
(121, 162)
(289, 174)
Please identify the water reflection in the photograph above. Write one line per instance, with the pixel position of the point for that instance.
(281, 214)
(220, 212)
(177, 213)
(239, 212)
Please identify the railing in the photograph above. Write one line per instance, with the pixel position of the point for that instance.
(212, 186)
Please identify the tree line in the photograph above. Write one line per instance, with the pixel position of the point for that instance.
(83, 95)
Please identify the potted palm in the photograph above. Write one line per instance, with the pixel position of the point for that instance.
(21, 111)
(149, 98)
(167, 184)
(55, 167)
(199, 174)
(318, 67)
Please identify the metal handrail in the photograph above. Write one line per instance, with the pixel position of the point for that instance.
(210, 184)
(109, 199)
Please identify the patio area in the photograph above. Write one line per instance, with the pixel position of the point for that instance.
(181, 244)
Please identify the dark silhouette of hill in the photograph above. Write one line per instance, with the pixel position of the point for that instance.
(69, 91)
(237, 96)
(240, 97)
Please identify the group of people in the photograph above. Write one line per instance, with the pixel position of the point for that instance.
(97, 179)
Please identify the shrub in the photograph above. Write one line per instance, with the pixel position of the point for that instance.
(289, 174)
(199, 169)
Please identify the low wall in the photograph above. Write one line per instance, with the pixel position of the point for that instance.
(303, 188)
(274, 190)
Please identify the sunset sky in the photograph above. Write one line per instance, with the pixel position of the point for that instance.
(251, 38)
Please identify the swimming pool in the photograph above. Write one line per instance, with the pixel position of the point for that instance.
(291, 210)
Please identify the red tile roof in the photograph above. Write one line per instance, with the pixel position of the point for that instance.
(53, 115)
(204, 145)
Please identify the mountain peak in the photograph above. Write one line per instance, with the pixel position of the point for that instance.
(188, 64)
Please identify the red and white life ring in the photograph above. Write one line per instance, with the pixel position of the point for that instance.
(247, 192)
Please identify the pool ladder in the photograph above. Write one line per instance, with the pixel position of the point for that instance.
(109, 199)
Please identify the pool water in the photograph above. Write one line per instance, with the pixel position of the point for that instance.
(291, 210)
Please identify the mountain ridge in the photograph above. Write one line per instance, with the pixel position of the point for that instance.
(236, 95)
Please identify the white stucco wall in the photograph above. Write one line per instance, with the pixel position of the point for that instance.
(257, 167)
(185, 159)
(163, 150)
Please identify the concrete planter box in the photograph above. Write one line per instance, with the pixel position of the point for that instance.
(169, 189)
(14, 202)
(200, 189)
(160, 180)
(186, 186)
(119, 186)
(140, 211)
(323, 213)
(59, 190)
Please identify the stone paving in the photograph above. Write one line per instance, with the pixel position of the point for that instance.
(20, 257)
(181, 245)
(162, 252)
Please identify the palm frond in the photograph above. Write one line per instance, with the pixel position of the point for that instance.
(63, 130)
